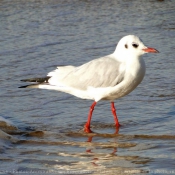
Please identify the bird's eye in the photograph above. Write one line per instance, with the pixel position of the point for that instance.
(135, 45)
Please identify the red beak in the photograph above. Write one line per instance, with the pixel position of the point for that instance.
(150, 50)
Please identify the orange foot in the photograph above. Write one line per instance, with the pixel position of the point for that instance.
(87, 129)
(117, 125)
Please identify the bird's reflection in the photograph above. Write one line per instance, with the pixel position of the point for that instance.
(89, 150)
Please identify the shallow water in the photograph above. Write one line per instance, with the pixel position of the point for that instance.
(42, 131)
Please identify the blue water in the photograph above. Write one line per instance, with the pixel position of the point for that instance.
(46, 127)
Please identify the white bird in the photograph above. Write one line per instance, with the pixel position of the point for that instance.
(106, 78)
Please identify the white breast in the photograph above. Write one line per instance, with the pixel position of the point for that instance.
(134, 74)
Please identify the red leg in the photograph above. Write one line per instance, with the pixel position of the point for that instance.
(117, 124)
(87, 125)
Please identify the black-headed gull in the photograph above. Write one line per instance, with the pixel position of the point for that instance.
(106, 78)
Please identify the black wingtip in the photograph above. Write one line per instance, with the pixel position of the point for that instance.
(37, 80)
(23, 86)
(23, 80)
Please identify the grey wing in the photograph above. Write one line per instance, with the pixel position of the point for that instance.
(102, 72)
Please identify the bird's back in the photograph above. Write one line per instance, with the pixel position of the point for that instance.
(102, 72)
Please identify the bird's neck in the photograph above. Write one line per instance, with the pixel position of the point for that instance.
(129, 58)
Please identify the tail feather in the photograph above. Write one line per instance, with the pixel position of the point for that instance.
(37, 80)
(30, 86)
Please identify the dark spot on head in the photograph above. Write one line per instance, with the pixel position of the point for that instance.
(126, 46)
(135, 45)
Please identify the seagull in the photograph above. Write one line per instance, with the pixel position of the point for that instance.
(105, 78)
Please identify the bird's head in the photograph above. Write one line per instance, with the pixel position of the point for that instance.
(132, 46)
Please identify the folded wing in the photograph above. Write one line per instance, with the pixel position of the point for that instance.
(102, 72)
